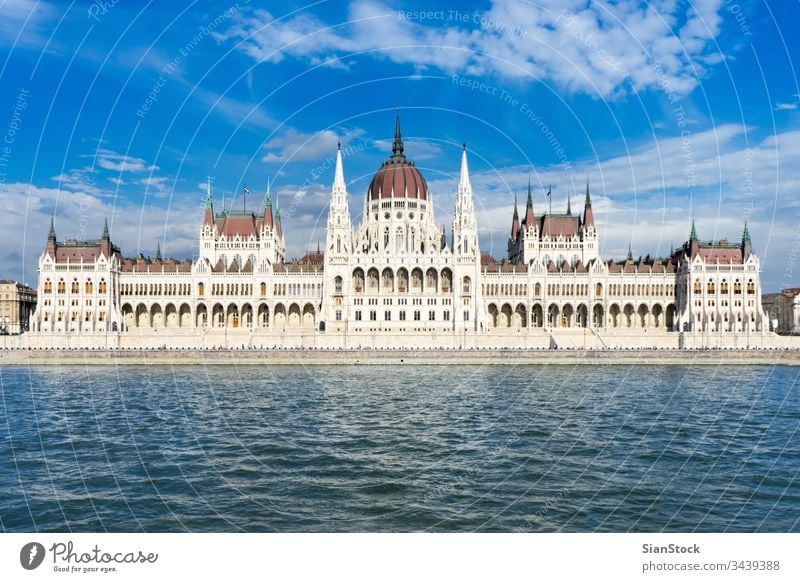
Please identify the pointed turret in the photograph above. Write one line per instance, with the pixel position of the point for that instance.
(463, 180)
(630, 253)
(515, 222)
(588, 216)
(268, 221)
(529, 216)
(105, 240)
(569, 201)
(208, 217)
(747, 244)
(51, 240)
(694, 242)
(158, 252)
(397, 144)
(278, 226)
(338, 177)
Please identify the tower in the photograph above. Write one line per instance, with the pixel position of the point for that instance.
(338, 248)
(469, 315)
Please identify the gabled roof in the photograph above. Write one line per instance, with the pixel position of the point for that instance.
(555, 225)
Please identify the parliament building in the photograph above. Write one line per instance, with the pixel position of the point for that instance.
(396, 280)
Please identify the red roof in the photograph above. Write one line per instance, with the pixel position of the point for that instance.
(728, 255)
(559, 225)
(242, 224)
(399, 176)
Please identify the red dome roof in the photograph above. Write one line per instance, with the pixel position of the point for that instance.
(397, 174)
(401, 177)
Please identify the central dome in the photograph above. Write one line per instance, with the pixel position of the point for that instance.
(398, 175)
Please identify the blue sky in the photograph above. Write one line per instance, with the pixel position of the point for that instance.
(672, 109)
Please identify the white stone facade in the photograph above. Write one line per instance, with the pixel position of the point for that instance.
(394, 281)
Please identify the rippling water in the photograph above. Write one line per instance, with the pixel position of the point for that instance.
(393, 448)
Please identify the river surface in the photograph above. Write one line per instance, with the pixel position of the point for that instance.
(400, 448)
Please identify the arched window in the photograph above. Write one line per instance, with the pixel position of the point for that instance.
(48, 286)
(399, 246)
(598, 290)
(751, 287)
(386, 238)
(89, 286)
(201, 289)
(723, 288)
(710, 287)
(697, 286)
(74, 288)
(101, 287)
(737, 287)
(466, 285)
(413, 245)
(263, 289)
(338, 244)
(338, 285)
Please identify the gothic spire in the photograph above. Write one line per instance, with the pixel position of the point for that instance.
(515, 221)
(158, 251)
(693, 235)
(630, 253)
(338, 178)
(208, 217)
(529, 217)
(746, 234)
(569, 210)
(397, 144)
(51, 236)
(463, 181)
(588, 202)
(105, 235)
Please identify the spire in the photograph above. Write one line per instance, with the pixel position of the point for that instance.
(693, 235)
(51, 236)
(588, 215)
(105, 235)
(529, 217)
(268, 207)
(515, 221)
(397, 144)
(463, 181)
(630, 254)
(747, 245)
(338, 178)
(158, 251)
(278, 227)
(569, 210)
(588, 202)
(208, 217)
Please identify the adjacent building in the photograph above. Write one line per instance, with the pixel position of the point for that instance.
(17, 303)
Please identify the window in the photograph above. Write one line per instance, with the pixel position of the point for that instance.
(201, 288)
(416, 316)
(402, 316)
(373, 316)
(466, 316)
(89, 286)
(466, 285)
(74, 288)
(387, 315)
(431, 315)
(102, 286)
(338, 315)
(447, 315)
(358, 315)
(338, 285)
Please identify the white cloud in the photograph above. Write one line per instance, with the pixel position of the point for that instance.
(22, 22)
(111, 160)
(598, 49)
(786, 106)
(295, 146)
